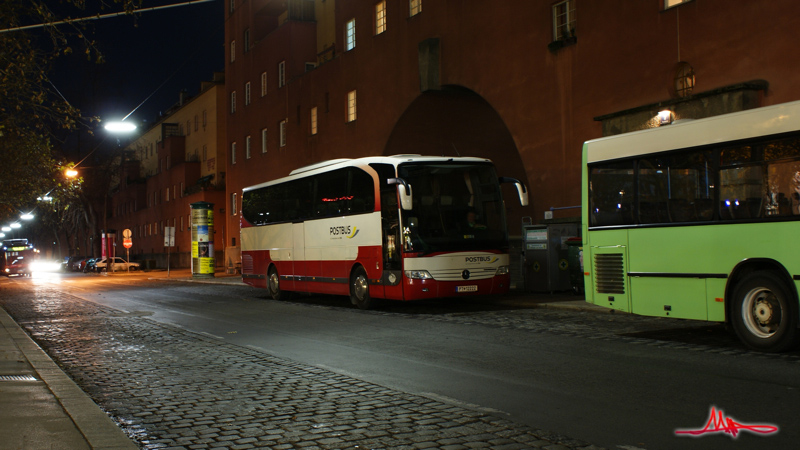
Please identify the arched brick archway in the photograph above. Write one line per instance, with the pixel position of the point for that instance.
(456, 121)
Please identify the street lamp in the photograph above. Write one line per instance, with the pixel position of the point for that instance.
(16, 225)
(71, 173)
(120, 127)
(26, 216)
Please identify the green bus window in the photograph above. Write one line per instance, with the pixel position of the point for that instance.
(741, 192)
(611, 194)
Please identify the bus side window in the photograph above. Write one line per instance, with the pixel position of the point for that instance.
(611, 194)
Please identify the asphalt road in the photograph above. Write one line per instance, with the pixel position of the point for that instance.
(617, 381)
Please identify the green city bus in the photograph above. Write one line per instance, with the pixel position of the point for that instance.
(699, 220)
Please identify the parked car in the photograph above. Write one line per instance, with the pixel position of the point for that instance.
(89, 267)
(69, 262)
(19, 267)
(120, 264)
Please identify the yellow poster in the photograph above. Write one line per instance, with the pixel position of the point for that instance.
(194, 249)
(206, 265)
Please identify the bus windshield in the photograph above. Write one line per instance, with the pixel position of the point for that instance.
(457, 206)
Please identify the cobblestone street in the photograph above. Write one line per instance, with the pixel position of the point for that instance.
(169, 388)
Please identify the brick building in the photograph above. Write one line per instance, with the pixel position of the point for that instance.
(178, 161)
(523, 83)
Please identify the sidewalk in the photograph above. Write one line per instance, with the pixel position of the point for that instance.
(41, 408)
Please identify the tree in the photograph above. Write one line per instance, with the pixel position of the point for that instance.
(31, 109)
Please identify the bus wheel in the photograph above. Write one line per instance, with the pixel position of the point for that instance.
(765, 313)
(359, 289)
(274, 284)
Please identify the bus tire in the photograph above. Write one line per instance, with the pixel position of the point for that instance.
(359, 288)
(765, 314)
(274, 284)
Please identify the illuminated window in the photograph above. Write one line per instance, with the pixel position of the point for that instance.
(247, 93)
(233, 152)
(351, 106)
(283, 124)
(564, 18)
(263, 140)
(233, 102)
(281, 74)
(380, 17)
(350, 35)
(684, 80)
(263, 83)
(247, 147)
(670, 3)
(314, 120)
(414, 7)
(233, 204)
(233, 51)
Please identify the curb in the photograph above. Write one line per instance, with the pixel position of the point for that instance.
(100, 432)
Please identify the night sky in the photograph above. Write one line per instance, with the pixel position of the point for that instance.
(177, 47)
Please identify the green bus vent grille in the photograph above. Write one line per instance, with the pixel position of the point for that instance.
(609, 275)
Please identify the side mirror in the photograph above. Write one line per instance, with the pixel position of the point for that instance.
(404, 192)
(522, 191)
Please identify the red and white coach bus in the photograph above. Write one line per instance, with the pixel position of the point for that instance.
(403, 227)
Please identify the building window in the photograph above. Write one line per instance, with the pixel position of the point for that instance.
(205, 152)
(414, 7)
(196, 123)
(684, 80)
(246, 40)
(263, 84)
(233, 51)
(205, 119)
(247, 147)
(283, 124)
(351, 106)
(247, 93)
(232, 5)
(263, 140)
(564, 18)
(188, 128)
(313, 120)
(233, 152)
(233, 204)
(671, 3)
(233, 102)
(350, 35)
(166, 197)
(182, 189)
(181, 224)
(282, 74)
(380, 17)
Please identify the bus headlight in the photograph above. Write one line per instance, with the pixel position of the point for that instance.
(418, 275)
(502, 270)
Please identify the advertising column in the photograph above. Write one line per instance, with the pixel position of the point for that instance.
(108, 240)
(202, 240)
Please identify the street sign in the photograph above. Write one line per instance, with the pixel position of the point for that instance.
(126, 233)
(169, 236)
(127, 243)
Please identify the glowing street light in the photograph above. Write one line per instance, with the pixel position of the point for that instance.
(120, 127)
(16, 225)
(26, 216)
(72, 173)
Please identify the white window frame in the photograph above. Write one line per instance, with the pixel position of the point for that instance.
(350, 35)
(234, 204)
(263, 140)
(380, 17)
(281, 74)
(673, 3)
(263, 84)
(351, 107)
(313, 120)
(247, 93)
(247, 147)
(283, 131)
(414, 7)
(564, 20)
(233, 152)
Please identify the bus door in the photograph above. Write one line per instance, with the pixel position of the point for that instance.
(392, 263)
(299, 269)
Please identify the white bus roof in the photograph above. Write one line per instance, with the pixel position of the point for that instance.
(750, 123)
(334, 164)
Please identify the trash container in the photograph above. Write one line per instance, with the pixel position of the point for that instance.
(575, 258)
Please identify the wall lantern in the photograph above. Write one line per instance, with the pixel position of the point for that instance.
(664, 117)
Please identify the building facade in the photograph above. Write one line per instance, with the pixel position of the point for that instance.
(522, 83)
(178, 161)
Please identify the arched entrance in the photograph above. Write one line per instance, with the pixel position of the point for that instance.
(456, 121)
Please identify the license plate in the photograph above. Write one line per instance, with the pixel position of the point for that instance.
(472, 288)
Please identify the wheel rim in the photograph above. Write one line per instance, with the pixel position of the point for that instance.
(762, 312)
(360, 287)
(274, 283)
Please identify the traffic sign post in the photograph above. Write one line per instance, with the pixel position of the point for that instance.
(169, 241)
(127, 242)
